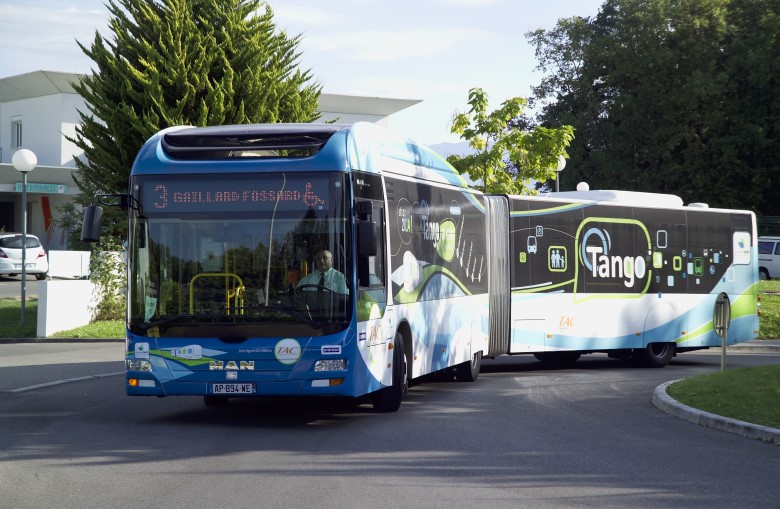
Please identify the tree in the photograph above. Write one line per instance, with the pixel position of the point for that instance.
(181, 62)
(748, 139)
(506, 157)
(668, 96)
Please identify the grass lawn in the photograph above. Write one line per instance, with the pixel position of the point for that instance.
(105, 329)
(10, 318)
(11, 326)
(747, 394)
(769, 323)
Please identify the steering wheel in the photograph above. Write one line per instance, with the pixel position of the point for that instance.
(297, 289)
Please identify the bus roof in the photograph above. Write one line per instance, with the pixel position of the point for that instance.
(361, 146)
(627, 197)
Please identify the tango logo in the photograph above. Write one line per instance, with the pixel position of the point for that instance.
(604, 261)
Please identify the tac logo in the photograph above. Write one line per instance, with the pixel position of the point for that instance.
(566, 322)
(606, 261)
(288, 351)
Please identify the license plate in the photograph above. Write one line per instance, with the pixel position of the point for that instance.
(233, 389)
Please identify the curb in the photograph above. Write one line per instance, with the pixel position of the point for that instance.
(752, 347)
(666, 403)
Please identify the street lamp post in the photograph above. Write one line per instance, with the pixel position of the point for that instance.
(558, 169)
(24, 161)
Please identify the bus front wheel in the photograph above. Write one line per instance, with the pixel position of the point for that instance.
(389, 398)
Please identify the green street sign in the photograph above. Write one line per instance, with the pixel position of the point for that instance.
(43, 188)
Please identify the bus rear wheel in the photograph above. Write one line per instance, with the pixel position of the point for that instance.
(469, 371)
(389, 398)
(655, 355)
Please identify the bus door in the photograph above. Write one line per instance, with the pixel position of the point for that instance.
(375, 322)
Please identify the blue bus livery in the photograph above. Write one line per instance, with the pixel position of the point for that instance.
(225, 223)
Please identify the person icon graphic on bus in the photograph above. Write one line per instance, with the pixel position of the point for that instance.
(557, 261)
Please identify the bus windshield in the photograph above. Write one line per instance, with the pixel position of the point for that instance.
(236, 256)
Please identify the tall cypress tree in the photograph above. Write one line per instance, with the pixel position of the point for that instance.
(181, 62)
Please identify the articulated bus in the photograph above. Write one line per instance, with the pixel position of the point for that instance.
(631, 274)
(227, 226)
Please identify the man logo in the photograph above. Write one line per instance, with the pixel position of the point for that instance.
(231, 365)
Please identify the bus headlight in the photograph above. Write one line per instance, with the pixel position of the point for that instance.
(138, 365)
(330, 365)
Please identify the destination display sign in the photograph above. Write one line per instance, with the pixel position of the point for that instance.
(235, 195)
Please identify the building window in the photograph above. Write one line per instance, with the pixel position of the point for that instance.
(16, 132)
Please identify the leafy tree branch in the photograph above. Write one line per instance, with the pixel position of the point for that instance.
(506, 159)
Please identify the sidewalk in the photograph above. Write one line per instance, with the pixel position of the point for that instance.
(757, 345)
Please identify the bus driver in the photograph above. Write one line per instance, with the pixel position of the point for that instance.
(325, 275)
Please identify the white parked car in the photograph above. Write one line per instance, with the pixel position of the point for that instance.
(11, 256)
(769, 257)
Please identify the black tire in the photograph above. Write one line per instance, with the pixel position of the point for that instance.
(389, 398)
(469, 371)
(655, 355)
(558, 359)
(40, 277)
(763, 274)
(215, 401)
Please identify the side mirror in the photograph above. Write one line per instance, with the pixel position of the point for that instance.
(366, 238)
(92, 224)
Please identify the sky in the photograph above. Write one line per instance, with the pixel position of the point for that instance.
(428, 50)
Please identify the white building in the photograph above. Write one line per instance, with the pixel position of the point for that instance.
(39, 109)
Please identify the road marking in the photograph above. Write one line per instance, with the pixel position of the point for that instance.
(63, 381)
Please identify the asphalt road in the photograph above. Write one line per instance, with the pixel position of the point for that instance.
(521, 436)
(25, 365)
(12, 287)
